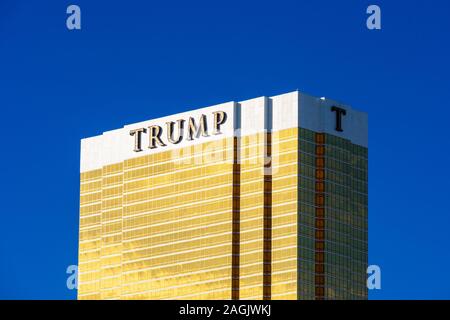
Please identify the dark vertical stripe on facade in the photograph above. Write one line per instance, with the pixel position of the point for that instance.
(267, 258)
(319, 237)
(236, 222)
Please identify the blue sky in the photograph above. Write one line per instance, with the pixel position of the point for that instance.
(138, 60)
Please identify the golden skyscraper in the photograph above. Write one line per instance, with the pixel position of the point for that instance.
(259, 199)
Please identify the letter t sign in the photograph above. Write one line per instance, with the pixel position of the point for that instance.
(339, 113)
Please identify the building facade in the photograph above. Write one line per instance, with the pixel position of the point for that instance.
(259, 199)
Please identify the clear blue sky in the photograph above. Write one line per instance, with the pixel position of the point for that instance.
(136, 60)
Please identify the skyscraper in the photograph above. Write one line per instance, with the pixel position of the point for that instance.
(260, 199)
